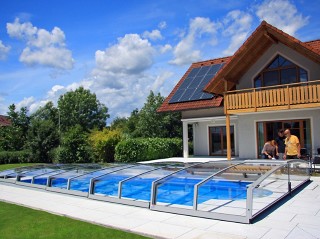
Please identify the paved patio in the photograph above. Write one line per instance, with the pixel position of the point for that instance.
(297, 217)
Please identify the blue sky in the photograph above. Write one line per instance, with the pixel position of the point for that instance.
(121, 50)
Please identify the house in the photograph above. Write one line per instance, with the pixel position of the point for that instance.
(235, 104)
(4, 121)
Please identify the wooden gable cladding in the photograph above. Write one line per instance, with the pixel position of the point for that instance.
(253, 48)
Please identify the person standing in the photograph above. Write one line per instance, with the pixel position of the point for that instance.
(280, 143)
(292, 150)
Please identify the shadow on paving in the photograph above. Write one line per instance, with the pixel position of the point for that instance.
(278, 204)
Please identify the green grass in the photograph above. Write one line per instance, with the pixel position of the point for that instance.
(9, 166)
(21, 222)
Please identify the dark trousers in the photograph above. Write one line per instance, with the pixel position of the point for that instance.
(291, 157)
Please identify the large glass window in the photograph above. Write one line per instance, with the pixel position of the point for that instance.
(218, 140)
(268, 130)
(280, 71)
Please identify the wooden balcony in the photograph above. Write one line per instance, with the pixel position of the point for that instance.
(279, 97)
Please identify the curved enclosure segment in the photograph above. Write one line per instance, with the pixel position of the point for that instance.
(226, 190)
(139, 187)
(82, 182)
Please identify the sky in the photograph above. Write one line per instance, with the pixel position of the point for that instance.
(121, 50)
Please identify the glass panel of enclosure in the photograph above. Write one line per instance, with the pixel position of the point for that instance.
(82, 183)
(15, 172)
(276, 185)
(108, 185)
(178, 188)
(61, 180)
(139, 187)
(28, 176)
(4, 173)
(226, 192)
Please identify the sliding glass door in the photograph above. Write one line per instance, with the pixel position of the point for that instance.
(218, 140)
(268, 130)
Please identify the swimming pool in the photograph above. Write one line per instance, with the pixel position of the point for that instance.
(226, 190)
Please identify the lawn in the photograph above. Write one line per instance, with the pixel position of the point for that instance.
(21, 222)
(9, 166)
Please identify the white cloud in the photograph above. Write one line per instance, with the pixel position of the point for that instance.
(43, 47)
(131, 55)
(165, 48)
(55, 92)
(185, 51)
(153, 35)
(281, 14)
(121, 78)
(160, 80)
(3, 51)
(31, 104)
(237, 25)
(162, 25)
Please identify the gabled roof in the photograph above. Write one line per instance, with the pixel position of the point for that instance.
(216, 101)
(314, 45)
(258, 43)
(4, 121)
(237, 65)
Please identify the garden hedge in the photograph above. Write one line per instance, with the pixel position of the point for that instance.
(141, 149)
(23, 156)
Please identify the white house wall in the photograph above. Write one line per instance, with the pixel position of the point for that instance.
(247, 135)
(201, 135)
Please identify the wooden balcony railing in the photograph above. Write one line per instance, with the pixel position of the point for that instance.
(279, 97)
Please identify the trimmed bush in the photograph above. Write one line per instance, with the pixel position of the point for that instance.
(104, 143)
(134, 150)
(23, 156)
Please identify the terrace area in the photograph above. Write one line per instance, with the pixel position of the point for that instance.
(297, 217)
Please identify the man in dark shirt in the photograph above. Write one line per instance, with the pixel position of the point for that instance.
(280, 144)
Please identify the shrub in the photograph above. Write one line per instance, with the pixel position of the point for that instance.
(134, 150)
(22, 156)
(74, 147)
(104, 144)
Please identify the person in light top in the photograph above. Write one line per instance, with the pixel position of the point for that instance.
(292, 143)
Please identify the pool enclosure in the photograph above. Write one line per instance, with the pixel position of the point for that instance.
(227, 190)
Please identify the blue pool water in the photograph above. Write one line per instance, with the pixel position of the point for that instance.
(181, 191)
(174, 191)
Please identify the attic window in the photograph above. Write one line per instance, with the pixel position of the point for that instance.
(280, 71)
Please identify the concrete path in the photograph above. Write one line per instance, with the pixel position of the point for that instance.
(297, 218)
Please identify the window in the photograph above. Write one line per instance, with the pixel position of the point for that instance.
(280, 71)
(218, 140)
(268, 130)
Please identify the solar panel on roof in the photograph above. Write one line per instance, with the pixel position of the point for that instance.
(191, 88)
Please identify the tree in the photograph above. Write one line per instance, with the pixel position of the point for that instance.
(152, 124)
(119, 123)
(43, 134)
(81, 107)
(14, 137)
(75, 147)
(47, 112)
